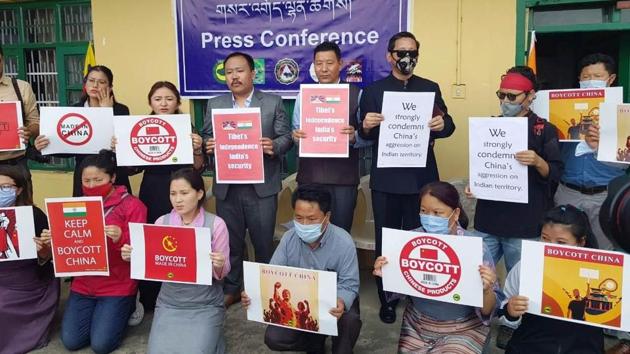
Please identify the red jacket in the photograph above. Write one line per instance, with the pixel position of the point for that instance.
(118, 283)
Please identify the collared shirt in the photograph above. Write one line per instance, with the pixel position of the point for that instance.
(335, 253)
(248, 100)
(31, 114)
(585, 170)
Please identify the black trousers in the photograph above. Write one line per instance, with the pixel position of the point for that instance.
(394, 211)
(348, 327)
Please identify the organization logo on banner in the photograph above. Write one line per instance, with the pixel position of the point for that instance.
(170, 253)
(287, 71)
(74, 129)
(354, 71)
(218, 72)
(153, 140)
(430, 266)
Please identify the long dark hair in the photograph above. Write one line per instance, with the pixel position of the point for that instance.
(105, 70)
(17, 175)
(105, 161)
(575, 220)
(194, 179)
(169, 85)
(447, 194)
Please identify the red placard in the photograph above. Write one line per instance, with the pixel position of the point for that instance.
(10, 122)
(170, 253)
(79, 244)
(324, 113)
(238, 154)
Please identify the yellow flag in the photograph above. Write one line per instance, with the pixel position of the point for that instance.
(531, 56)
(90, 59)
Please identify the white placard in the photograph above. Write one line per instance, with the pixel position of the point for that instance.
(437, 267)
(171, 257)
(318, 288)
(494, 172)
(552, 275)
(403, 139)
(153, 140)
(17, 229)
(77, 130)
(614, 132)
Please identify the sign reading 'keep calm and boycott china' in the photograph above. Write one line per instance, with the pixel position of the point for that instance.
(437, 267)
(177, 254)
(323, 114)
(238, 154)
(153, 140)
(77, 130)
(79, 244)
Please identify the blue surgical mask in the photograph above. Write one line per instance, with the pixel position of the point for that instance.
(7, 197)
(434, 224)
(591, 84)
(308, 233)
(509, 109)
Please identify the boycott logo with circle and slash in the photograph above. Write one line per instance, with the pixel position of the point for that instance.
(74, 129)
(430, 266)
(153, 140)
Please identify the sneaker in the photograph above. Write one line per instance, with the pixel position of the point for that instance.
(138, 314)
(504, 336)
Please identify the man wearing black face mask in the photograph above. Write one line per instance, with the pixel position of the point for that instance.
(395, 190)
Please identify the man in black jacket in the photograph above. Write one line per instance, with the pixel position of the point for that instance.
(395, 191)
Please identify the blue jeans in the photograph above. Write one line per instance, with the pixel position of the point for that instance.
(99, 322)
(508, 247)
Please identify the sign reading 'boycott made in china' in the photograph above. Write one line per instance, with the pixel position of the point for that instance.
(78, 241)
(153, 140)
(77, 130)
(437, 267)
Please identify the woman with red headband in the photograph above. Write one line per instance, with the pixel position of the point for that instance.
(504, 224)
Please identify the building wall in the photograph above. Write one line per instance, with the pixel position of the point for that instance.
(136, 39)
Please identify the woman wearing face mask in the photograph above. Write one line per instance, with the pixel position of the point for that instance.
(98, 92)
(189, 318)
(565, 225)
(29, 291)
(438, 327)
(99, 307)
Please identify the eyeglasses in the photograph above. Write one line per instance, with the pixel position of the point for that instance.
(510, 96)
(404, 53)
(7, 187)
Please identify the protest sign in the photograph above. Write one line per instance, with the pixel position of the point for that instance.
(573, 111)
(614, 140)
(494, 172)
(176, 254)
(78, 241)
(153, 140)
(291, 297)
(575, 284)
(437, 267)
(323, 114)
(17, 230)
(10, 122)
(77, 130)
(404, 133)
(238, 154)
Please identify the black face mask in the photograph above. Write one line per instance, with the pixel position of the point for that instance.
(407, 60)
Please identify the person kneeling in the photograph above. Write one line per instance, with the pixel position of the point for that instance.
(315, 243)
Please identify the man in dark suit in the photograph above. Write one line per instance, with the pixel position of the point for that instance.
(395, 191)
(250, 207)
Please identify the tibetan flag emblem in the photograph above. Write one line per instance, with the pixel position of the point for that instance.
(74, 210)
(245, 125)
(229, 125)
(317, 99)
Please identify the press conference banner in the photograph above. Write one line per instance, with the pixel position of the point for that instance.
(281, 36)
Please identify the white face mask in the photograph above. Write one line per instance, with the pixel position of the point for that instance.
(592, 84)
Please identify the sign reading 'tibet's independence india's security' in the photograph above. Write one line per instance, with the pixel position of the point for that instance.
(323, 114)
(10, 122)
(77, 130)
(437, 267)
(153, 140)
(177, 254)
(238, 154)
(79, 244)
(576, 284)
